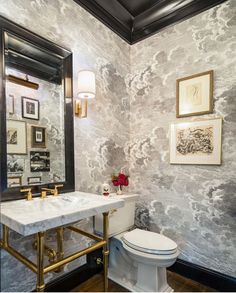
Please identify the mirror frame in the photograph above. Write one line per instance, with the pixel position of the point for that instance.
(67, 78)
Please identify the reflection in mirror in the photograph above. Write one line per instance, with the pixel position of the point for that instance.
(35, 114)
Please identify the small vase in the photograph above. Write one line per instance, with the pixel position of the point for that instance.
(119, 191)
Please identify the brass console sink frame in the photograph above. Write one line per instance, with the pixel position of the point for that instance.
(39, 267)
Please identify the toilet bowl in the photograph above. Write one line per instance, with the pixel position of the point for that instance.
(138, 258)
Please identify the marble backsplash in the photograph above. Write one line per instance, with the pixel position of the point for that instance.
(192, 204)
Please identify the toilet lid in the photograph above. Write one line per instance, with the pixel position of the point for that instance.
(149, 242)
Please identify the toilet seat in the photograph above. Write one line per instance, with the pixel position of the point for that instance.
(149, 242)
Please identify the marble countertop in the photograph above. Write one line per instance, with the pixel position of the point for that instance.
(125, 196)
(30, 217)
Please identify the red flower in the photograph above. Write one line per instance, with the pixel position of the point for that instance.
(126, 182)
(115, 183)
(121, 179)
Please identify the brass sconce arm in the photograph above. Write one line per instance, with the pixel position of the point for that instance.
(81, 109)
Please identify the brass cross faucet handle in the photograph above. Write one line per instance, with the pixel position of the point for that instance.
(53, 191)
(29, 193)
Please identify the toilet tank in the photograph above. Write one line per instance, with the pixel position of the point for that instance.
(120, 220)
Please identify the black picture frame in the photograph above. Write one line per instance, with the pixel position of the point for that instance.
(65, 77)
(35, 108)
(39, 161)
(35, 141)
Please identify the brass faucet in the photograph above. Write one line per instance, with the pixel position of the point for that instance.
(29, 193)
(43, 194)
(54, 191)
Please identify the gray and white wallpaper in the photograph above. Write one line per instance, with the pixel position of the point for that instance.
(194, 205)
(128, 122)
(99, 139)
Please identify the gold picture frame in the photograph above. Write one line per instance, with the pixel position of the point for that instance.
(194, 94)
(197, 142)
(14, 181)
(16, 137)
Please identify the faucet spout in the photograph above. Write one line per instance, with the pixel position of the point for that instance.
(54, 191)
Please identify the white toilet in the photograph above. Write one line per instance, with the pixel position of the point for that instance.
(138, 258)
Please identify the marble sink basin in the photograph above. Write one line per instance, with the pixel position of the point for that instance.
(30, 217)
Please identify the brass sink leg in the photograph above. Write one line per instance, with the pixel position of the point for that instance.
(5, 236)
(40, 262)
(60, 259)
(105, 250)
(60, 247)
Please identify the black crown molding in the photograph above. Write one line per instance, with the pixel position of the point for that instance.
(152, 20)
(106, 18)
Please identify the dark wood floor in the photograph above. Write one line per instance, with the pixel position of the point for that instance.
(177, 282)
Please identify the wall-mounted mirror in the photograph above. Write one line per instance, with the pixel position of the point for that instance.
(36, 112)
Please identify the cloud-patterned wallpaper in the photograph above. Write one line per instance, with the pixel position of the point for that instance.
(128, 127)
(99, 139)
(194, 205)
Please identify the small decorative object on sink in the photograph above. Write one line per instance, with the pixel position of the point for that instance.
(106, 189)
(120, 180)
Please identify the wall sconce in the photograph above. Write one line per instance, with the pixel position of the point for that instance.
(86, 90)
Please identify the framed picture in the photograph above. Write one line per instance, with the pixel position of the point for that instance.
(194, 94)
(11, 104)
(16, 137)
(30, 108)
(15, 165)
(38, 137)
(34, 180)
(39, 161)
(196, 142)
(14, 181)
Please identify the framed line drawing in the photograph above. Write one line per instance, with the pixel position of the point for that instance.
(16, 137)
(34, 180)
(38, 137)
(30, 108)
(194, 94)
(39, 161)
(14, 181)
(196, 142)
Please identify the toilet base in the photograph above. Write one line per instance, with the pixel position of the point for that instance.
(130, 284)
(135, 277)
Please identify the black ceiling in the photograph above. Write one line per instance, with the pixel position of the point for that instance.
(134, 20)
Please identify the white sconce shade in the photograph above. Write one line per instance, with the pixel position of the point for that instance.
(86, 84)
